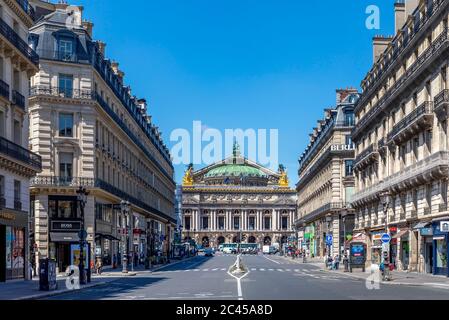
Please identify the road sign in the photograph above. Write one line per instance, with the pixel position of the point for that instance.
(386, 238)
(329, 239)
(82, 234)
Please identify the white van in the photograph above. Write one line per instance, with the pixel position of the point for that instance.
(268, 250)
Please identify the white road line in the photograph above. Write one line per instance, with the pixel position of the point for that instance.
(215, 269)
(270, 269)
(261, 269)
(239, 284)
(204, 270)
(272, 260)
(296, 270)
(288, 270)
(223, 269)
(187, 270)
(253, 269)
(280, 270)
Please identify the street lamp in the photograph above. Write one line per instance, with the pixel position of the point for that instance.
(385, 198)
(82, 194)
(328, 221)
(124, 206)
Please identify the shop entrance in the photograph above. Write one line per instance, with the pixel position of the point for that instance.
(429, 257)
(62, 256)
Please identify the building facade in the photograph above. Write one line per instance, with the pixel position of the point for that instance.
(237, 201)
(402, 146)
(17, 164)
(326, 181)
(92, 132)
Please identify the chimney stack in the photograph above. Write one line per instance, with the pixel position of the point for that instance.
(342, 94)
(88, 26)
(380, 44)
(102, 47)
(399, 15)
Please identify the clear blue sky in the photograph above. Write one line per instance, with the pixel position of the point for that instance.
(239, 63)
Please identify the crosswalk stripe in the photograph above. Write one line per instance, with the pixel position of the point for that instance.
(296, 270)
(253, 269)
(223, 269)
(288, 270)
(205, 270)
(262, 269)
(280, 270)
(215, 269)
(271, 269)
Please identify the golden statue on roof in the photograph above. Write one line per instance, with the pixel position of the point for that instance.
(187, 180)
(283, 179)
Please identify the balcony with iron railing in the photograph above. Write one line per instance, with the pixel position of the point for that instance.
(435, 166)
(375, 76)
(29, 10)
(441, 107)
(60, 92)
(431, 54)
(64, 56)
(367, 156)
(18, 99)
(418, 120)
(23, 47)
(75, 182)
(4, 89)
(21, 154)
(17, 205)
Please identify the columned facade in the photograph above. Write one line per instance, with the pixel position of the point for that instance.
(237, 201)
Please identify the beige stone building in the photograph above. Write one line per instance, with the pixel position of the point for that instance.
(402, 155)
(92, 132)
(326, 180)
(237, 201)
(17, 164)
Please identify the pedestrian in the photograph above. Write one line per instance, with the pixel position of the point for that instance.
(99, 265)
(337, 261)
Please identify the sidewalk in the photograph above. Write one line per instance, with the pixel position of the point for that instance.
(29, 290)
(399, 277)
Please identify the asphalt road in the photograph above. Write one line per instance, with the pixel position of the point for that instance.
(269, 278)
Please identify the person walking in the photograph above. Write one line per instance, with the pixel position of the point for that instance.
(99, 265)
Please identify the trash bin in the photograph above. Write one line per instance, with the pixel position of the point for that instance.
(47, 275)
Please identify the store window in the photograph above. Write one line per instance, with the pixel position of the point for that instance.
(441, 258)
(63, 208)
(15, 253)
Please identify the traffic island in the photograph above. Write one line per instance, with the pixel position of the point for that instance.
(238, 269)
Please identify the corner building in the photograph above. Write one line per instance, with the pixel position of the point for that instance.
(92, 132)
(402, 146)
(326, 181)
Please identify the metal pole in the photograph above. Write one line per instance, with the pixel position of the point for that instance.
(124, 239)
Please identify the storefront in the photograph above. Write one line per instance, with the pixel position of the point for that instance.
(65, 223)
(13, 244)
(376, 247)
(440, 248)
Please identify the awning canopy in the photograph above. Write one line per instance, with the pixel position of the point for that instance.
(421, 225)
(106, 236)
(400, 234)
(64, 237)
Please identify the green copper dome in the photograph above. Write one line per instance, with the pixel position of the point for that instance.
(235, 170)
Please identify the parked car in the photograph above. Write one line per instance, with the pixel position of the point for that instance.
(209, 252)
(229, 250)
(200, 248)
(269, 250)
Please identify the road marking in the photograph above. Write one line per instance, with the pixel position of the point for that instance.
(288, 270)
(280, 270)
(204, 270)
(261, 269)
(215, 269)
(271, 269)
(223, 269)
(272, 260)
(187, 270)
(239, 283)
(196, 270)
(253, 269)
(296, 270)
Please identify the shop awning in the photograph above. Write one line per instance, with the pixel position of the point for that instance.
(64, 237)
(421, 225)
(400, 234)
(106, 236)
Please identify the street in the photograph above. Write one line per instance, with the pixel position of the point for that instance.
(268, 278)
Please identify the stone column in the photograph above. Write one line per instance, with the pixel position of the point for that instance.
(414, 253)
(274, 219)
(336, 235)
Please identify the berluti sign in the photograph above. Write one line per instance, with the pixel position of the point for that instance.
(342, 147)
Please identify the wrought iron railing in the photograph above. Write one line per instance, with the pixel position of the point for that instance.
(18, 99)
(17, 205)
(20, 44)
(365, 153)
(19, 153)
(4, 89)
(65, 56)
(443, 96)
(426, 55)
(27, 8)
(61, 92)
(424, 109)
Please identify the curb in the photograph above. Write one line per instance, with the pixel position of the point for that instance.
(59, 292)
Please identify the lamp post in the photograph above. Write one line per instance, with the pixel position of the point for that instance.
(328, 221)
(82, 194)
(385, 198)
(344, 215)
(124, 206)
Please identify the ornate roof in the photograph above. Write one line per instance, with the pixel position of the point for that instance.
(235, 170)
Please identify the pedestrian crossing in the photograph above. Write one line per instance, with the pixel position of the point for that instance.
(306, 272)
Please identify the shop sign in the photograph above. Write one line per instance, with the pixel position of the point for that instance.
(377, 237)
(7, 216)
(342, 147)
(65, 225)
(426, 232)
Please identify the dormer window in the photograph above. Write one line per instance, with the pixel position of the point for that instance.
(65, 49)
